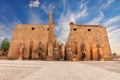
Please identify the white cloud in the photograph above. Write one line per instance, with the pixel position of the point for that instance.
(81, 5)
(66, 18)
(7, 22)
(112, 20)
(34, 17)
(107, 4)
(64, 2)
(114, 33)
(47, 7)
(34, 3)
(110, 1)
(81, 14)
(113, 29)
(6, 31)
(114, 37)
(2, 38)
(97, 19)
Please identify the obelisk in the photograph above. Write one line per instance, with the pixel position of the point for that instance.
(50, 38)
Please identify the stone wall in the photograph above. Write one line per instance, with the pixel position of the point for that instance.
(30, 34)
(91, 40)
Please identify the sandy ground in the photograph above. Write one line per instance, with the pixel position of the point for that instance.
(59, 70)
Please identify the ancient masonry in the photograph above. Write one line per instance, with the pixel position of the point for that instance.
(37, 41)
(88, 42)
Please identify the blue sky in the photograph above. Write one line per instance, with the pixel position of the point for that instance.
(100, 12)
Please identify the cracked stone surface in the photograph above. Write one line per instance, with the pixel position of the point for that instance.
(59, 70)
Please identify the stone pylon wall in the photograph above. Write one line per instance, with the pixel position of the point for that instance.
(93, 38)
(30, 34)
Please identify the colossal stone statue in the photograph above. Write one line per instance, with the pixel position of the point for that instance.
(83, 51)
(99, 51)
(56, 50)
(69, 51)
(102, 52)
(21, 48)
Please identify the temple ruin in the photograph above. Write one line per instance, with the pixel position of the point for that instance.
(88, 42)
(38, 40)
(85, 42)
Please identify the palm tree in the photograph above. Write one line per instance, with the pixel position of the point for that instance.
(5, 46)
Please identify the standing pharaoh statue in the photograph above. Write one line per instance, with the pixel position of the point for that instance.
(101, 52)
(56, 50)
(40, 50)
(83, 51)
(21, 48)
(69, 51)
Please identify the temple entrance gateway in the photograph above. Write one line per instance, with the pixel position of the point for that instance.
(85, 42)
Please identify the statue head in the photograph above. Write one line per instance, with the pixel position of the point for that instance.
(21, 43)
